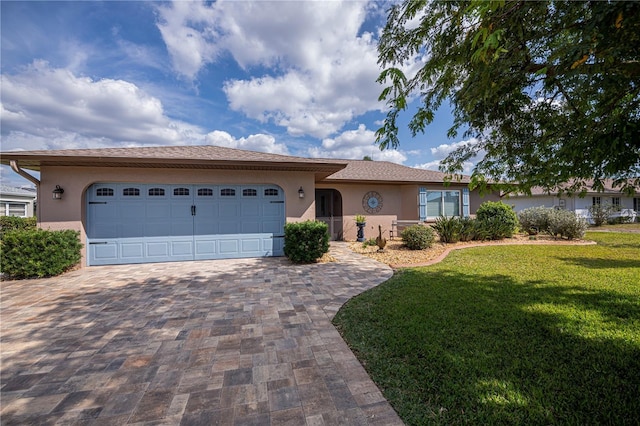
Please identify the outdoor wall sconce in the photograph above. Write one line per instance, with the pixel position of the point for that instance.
(57, 193)
(301, 192)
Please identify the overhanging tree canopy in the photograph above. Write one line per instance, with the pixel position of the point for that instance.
(551, 90)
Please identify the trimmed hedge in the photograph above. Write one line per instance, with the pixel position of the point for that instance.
(36, 253)
(13, 223)
(498, 219)
(306, 242)
(418, 237)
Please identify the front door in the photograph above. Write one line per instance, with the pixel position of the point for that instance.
(329, 211)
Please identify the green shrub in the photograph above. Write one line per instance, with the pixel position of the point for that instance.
(370, 243)
(471, 230)
(448, 229)
(418, 237)
(36, 253)
(13, 223)
(566, 224)
(600, 213)
(306, 242)
(495, 229)
(498, 219)
(535, 219)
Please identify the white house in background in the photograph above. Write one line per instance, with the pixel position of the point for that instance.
(17, 201)
(629, 206)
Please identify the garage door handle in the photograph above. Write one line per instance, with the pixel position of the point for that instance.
(100, 242)
(193, 210)
(277, 202)
(97, 202)
(277, 236)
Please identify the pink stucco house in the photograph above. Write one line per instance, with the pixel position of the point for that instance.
(156, 204)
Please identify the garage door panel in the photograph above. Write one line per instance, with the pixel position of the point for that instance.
(157, 210)
(251, 245)
(131, 230)
(138, 223)
(107, 252)
(227, 227)
(250, 226)
(132, 250)
(272, 227)
(229, 246)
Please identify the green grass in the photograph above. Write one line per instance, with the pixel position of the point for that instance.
(508, 335)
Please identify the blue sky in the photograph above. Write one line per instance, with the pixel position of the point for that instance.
(285, 77)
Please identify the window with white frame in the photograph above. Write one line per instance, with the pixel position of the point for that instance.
(615, 201)
(442, 203)
(595, 201)
(13, 209)
(636, 204)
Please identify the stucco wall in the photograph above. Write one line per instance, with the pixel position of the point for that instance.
(69, 213)
(399, 202)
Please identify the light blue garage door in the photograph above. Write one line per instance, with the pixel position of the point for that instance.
(142, 223)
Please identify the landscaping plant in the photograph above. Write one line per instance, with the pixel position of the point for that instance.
(37, 253)
(498, 219)
(418, 237)
(14, 223)
(448, 229)
(306, 242)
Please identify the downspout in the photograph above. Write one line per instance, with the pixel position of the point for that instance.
(16, 168)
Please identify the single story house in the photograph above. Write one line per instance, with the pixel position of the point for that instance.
(17, 201)
(158, 204)
(628, 206)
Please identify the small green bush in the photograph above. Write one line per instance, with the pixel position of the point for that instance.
(306, 242)
(418, 237)
(448, 229)
(494, 228)
(13, 223)
(498, 219)
(535, 219)
(36, 253)
(600, 213)
(566, 224)
(471, 230)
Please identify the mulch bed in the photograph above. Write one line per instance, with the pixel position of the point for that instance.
(396, 255)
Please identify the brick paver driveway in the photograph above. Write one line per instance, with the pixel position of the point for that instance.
(246, 341)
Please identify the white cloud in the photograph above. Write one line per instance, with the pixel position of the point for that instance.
(321, 70)
(355, 144)
(260, 142)
(441, 152)
(47, 108)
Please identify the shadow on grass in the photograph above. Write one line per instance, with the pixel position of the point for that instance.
(448, 348)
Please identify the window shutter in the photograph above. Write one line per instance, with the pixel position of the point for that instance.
(465, 202)
(422, 204)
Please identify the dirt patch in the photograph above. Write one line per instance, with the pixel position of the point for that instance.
(397, 255)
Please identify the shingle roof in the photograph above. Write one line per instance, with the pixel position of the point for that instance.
(608, 188)
(11, 190)
(209, 156)
(204, 156)
(384, 171)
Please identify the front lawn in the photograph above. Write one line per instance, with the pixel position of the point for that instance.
(508, 335)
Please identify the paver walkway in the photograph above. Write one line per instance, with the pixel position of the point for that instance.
(225, 342)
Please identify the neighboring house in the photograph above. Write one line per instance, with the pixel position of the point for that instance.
(628, 206)
(17, 201)
(138, 205)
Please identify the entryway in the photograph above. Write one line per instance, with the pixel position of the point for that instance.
(329, 211)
